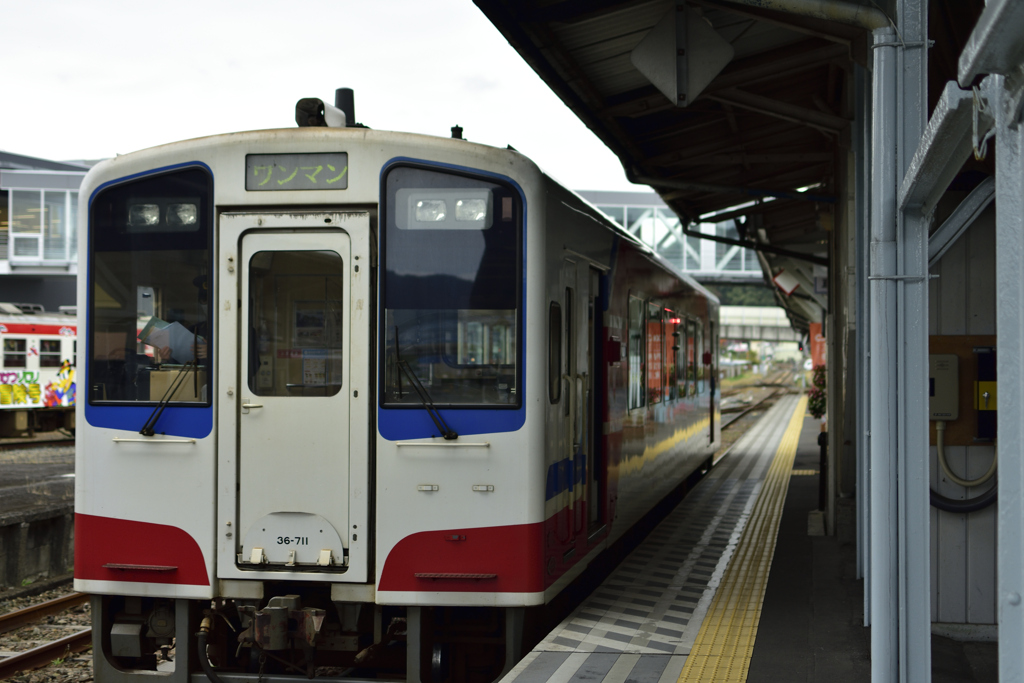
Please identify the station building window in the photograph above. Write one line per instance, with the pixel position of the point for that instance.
(4, 222)
(41, 226)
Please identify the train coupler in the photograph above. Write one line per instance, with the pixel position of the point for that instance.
(282, 622)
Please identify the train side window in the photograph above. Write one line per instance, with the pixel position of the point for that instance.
(713, 347)
(691, 358)
(700, 357)
(671, 326)
(680, 341)
(637, 354)
(14, 353)
(74, 353)
(49, 353)
(554, 352)
(655, 353)
(570, 343)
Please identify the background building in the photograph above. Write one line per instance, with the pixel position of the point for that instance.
(645, 215)
(38, 235)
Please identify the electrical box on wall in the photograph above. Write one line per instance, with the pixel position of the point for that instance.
(943, 386)
(968, 425)
(985, 394)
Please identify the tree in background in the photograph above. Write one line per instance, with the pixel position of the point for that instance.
(743, 295)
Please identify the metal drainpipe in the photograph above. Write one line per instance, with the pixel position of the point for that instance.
(912, 472)
(883, 348)
(863, 438)
(868, 18)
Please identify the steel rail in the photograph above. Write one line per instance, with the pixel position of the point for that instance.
(23, 617)
(43, 655)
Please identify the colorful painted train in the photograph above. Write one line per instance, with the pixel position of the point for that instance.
(37, 374)
(360, 402)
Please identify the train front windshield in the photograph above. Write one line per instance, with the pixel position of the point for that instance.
(451, 289)
(149, 319)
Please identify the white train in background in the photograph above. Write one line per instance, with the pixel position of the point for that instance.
(37, 369)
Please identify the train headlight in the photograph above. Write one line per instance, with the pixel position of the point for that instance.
(443, 208)
(182, 214)
(470, 210)
(143, 214)
(431, 210)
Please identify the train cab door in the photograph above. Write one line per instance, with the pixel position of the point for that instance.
(303, 307)
(594, 383)
(581, 379)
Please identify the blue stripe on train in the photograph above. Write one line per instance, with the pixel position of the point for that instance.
(565, 474)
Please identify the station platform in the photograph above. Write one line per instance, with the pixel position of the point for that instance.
(694, 602)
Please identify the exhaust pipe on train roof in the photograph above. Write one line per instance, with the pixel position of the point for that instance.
(312, 111)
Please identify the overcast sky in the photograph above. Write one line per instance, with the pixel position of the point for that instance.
(87, 80)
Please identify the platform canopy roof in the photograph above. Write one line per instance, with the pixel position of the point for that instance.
(763, 137)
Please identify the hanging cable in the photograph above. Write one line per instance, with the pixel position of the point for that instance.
(951, 504)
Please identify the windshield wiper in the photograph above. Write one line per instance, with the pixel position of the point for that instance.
(447, 432)
(154, 417)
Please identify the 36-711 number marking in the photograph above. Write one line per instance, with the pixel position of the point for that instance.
(293, 540)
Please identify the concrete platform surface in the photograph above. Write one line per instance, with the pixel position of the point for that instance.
(659, 608)
(811, 620)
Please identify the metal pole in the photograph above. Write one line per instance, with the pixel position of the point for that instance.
(883, 473)
(1010, 324)
(862, 146)
(912, 460)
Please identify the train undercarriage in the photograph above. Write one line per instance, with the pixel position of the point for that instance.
(300, 633)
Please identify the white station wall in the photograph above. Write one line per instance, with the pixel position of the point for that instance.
(962, 301)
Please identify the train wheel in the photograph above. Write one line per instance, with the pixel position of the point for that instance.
(440, 663)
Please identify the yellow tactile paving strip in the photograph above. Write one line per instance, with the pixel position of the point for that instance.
(725, 642)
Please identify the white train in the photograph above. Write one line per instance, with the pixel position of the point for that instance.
(363, 398)
(37, 370)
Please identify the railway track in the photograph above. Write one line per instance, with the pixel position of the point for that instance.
(774, 384)
(51, 651)
(776, 378)
(21, 444)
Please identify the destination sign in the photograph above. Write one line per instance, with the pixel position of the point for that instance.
(276, 172)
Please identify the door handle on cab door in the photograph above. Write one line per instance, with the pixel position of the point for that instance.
(246, 405)
(578, 405)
